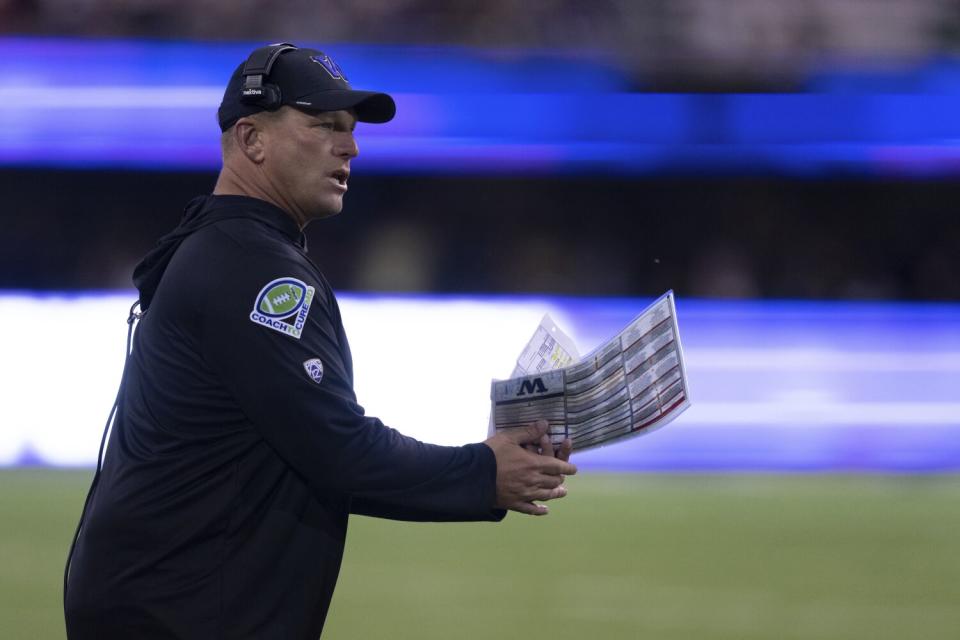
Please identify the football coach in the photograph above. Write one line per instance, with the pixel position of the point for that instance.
(238, 449)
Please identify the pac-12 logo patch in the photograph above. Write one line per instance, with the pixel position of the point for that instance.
(314, 369)
(283, 305)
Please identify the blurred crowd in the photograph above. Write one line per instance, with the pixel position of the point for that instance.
(662, 41)
(584, 235)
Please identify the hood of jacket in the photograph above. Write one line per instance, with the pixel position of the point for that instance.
(199, 212)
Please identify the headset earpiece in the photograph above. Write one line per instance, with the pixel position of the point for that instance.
(254, 88)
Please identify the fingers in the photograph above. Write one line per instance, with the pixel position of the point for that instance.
(530, 508)
(556, 467)
(550, 482)
(549, 494)
(530, 468)
(545, 462)
(546, 446)
(529, 434)
(535, 437)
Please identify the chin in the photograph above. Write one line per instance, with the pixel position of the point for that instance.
(328, 209)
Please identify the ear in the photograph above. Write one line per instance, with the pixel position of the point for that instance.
(248, 137)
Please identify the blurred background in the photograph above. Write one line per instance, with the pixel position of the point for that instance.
(788, 167)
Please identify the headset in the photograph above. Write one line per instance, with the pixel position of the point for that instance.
(253, 88)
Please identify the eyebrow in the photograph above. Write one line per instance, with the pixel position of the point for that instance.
(351, 117)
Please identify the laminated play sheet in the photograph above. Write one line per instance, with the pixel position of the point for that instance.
(548, 349)
(631, 385)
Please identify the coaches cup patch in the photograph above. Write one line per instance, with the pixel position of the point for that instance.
(283, 305)
(314, 369)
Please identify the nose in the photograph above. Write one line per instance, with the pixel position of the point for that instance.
(347, 145)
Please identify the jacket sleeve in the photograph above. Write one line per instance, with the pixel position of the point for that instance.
(313, 422)
(396, 505)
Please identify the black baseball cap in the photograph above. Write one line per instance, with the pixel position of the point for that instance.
(306, 79)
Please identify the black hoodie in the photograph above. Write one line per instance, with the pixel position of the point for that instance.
(239, 449)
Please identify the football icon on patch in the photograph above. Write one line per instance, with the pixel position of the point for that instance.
(281, 298)
(314, 369)
(283, 305)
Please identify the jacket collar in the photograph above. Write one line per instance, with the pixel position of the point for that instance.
(260, 210)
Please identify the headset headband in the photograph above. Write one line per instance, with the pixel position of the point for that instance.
(257, 67)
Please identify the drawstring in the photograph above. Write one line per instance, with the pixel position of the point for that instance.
(132, 317)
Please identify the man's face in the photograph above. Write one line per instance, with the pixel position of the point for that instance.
(307, 160)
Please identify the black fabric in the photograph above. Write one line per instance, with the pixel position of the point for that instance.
(200, 212)
(222, 507)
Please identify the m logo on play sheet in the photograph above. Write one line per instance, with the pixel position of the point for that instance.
(531, 386)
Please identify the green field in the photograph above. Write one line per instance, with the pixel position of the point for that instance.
(625, 556)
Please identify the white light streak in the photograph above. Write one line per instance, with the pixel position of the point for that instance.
(18, 98)
(424, 366)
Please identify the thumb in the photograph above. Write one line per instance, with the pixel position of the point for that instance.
(529, 434)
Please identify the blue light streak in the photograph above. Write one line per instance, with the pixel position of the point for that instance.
(151, 105)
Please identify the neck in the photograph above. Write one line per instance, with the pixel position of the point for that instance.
(230, 183)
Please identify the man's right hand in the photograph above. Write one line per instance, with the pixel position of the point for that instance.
(524, 476)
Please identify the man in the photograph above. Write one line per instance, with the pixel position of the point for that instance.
(238, 448)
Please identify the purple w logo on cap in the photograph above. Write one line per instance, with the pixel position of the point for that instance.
(332, 67)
